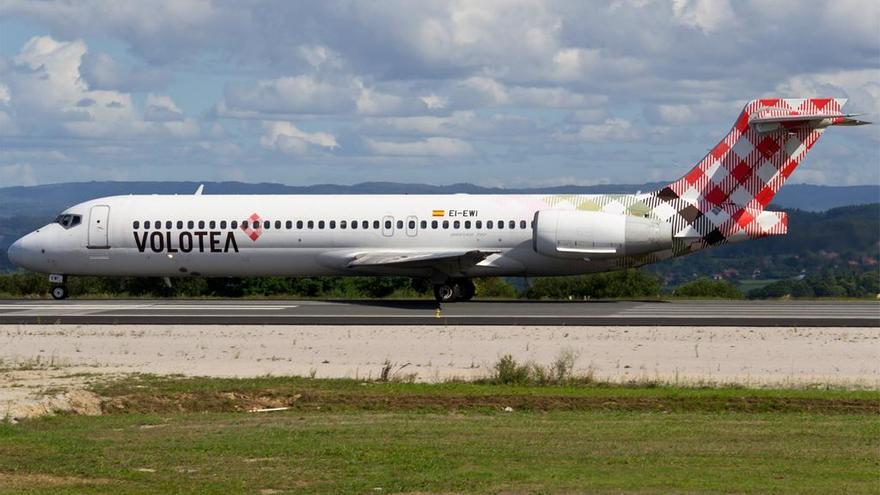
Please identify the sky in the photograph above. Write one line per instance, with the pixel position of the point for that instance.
(515, 93)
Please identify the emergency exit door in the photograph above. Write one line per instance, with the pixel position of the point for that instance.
(99, 218)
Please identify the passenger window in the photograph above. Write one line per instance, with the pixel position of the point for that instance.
(467, 224)
(400, 224)
(288, 225)
(299, 224)
(423, 224)
(511, 224)
(321, 224)
(332, 224)
(343, 224)
(500, 224)
(212, 224)
(190, 224)
(354, 224)
(277, 224)
(256, 224)
(445, 224)
(222, 224)
(267, 224)
(489, 224)
(375, 224)
(456, 224)
(157, 224)
(234, 224)
(387, 224)
(411, 224)
(136, 225)
(146, 224)
(433, 224)
(167, 224)
(180, 224)
(522, 224)
(479, 224)
(311, 224)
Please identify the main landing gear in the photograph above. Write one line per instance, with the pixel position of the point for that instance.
(457, 289)
(59, 290)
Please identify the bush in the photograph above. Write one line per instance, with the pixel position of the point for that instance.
(705, 287)
(509, 372)
(626, 283)
(494, 287)
(826, 284)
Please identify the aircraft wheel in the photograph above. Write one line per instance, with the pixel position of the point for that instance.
(59, 292)
(466, 289)
(446, 292)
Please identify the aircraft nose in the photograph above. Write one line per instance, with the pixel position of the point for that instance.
(26, 253)
(15, 253)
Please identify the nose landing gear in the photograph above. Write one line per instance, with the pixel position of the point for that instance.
(59, 291)
(453, 290)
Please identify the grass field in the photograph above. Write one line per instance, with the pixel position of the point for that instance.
(171, 435)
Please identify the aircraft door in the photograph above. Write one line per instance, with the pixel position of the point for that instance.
(388, 226)
(99, 218)
(412, 226)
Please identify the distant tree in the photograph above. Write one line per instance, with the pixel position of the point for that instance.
(705, 287)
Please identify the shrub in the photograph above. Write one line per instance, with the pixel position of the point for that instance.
(705, 287)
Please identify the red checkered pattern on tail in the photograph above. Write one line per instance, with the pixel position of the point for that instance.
(723, 197)
(248, 227)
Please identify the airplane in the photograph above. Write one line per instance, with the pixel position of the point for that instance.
(449, 239)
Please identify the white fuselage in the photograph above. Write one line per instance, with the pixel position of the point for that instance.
(296, 235)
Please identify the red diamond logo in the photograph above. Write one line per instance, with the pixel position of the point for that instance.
(252, 227)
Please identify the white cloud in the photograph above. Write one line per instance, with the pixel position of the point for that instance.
(432, 146)
(101, 71)
(161, 108)
(287, 138)
(49, 96)
(18, 174)
(612, 129)
(706, 15)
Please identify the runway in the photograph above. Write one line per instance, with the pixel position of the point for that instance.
(556, 313)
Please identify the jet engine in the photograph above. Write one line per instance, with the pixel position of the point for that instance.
(593, 234)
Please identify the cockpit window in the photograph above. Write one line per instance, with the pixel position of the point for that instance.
(67, 221)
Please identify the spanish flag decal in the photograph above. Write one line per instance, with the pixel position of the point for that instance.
(437, 213)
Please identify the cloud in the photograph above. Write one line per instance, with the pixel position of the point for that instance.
(161, 108)
(287, 138)
(432, 146)
(101, 71)
(48, 96)
(527, 86)
(612, 129)
(17, 174)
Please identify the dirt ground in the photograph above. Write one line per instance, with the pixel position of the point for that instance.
(44, 368)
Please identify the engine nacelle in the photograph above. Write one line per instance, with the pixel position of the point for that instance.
(593, 234)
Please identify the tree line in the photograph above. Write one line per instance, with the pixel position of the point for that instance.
(630, 284)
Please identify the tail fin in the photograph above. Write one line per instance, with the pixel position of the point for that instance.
(723, 198)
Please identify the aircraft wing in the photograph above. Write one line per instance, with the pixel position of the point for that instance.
(457, 259)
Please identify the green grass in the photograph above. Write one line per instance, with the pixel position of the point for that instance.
(173, 435)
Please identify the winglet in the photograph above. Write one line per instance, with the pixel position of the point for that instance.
(200, 189)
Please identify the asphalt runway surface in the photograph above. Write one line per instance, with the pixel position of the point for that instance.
(556, 313)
